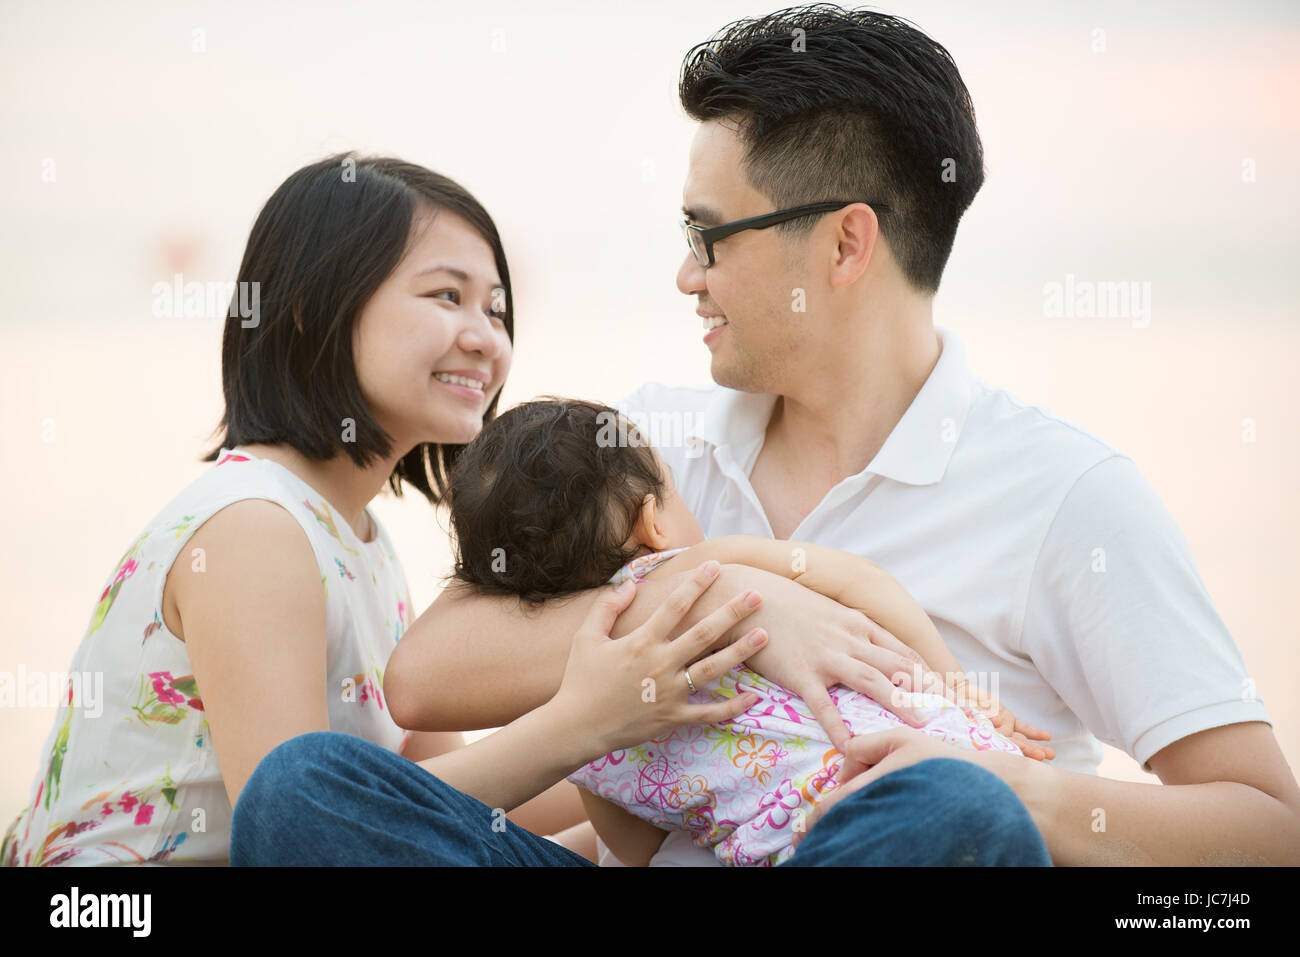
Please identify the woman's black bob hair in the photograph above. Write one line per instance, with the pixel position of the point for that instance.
(323, 243)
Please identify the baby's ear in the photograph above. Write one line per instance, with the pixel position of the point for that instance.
(645, 522)
(643, 532)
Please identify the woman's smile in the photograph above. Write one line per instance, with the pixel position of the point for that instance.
(469, 385)
(466, 390)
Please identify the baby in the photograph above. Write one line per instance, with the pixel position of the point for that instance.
(548, 500)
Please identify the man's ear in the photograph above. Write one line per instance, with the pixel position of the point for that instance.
(857, 231)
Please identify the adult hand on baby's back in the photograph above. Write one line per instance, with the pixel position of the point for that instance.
(626, 691)
(817, 643)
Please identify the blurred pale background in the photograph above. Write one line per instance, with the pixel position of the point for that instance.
(1153, 144)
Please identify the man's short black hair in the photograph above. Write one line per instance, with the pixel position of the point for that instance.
(847, 104)
(324, 242)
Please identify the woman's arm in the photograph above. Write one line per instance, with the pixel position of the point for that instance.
(556, 809)
(428, 744)
(475, 661)
(601, 704)
(253, 623)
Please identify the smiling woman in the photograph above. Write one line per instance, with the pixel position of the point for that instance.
(441, 313)
(263, 601)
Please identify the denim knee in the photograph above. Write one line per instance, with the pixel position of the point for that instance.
(943, 811)
(979, 802)
(262, 806)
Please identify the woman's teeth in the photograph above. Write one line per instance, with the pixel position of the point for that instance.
(712, 322)
(458, 380)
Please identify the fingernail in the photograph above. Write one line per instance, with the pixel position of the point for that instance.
(757, 637)
(711, 567)
(623, 588)
(752, 599)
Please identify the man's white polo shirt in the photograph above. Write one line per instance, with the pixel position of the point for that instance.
(1045, 559)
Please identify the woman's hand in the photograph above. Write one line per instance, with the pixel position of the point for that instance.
(622, 692)
(817, 642)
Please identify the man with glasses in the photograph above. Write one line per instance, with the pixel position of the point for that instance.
(701, 238)
(835, 155)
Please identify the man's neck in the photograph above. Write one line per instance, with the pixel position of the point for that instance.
(835, 424)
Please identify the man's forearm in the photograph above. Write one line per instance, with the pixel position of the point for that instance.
(1088, 820)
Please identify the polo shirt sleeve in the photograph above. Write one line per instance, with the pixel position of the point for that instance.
(1120, 624)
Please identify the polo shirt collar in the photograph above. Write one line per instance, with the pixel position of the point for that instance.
(916, 452)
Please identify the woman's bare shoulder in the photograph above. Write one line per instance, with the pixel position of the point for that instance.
(239, 545)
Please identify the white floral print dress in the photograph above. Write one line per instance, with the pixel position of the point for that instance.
(133, 778)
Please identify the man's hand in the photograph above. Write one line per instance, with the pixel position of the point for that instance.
(815, 643)
(868, 757)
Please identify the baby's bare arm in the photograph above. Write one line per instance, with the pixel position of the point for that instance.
(630, 839)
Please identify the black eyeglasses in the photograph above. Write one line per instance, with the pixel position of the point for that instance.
(702, 238)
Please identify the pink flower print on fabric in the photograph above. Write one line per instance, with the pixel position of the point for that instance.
(125, 569)
(370, 685)
(163, 693)
(777, 807)
(164, 699)
(689, 742)
(779, 698)
(981, 735)
(657, 783)
(822, 781)
(613, 759)
(699, 823)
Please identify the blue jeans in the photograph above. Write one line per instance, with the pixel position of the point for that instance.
(337, 799)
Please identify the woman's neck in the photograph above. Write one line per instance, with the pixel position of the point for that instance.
(345, 486)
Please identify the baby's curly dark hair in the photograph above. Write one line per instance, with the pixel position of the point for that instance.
(544, 500)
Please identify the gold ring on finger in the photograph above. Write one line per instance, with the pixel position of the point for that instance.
(689, 683)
